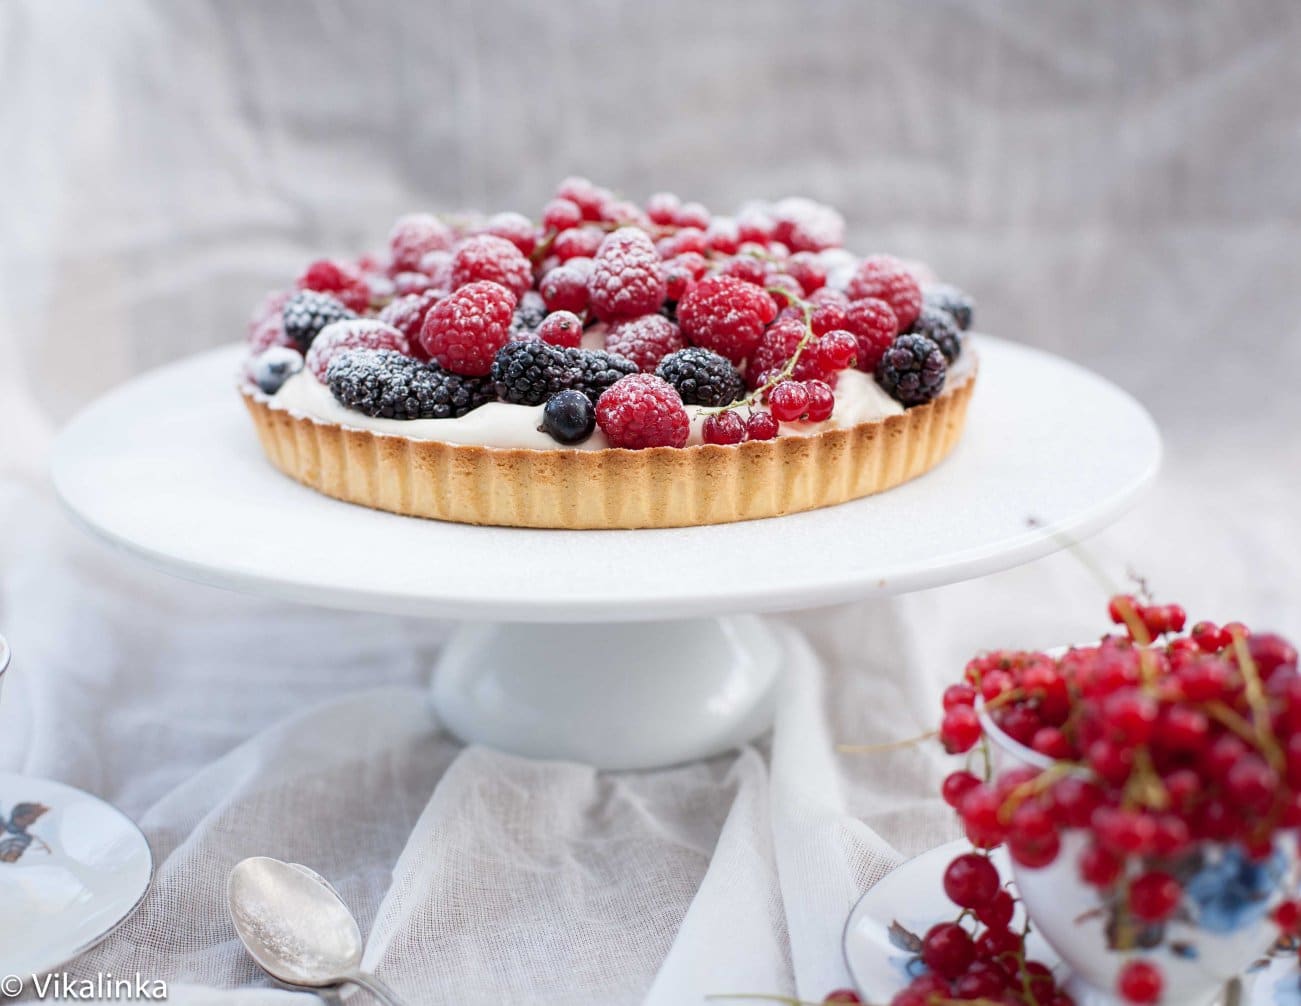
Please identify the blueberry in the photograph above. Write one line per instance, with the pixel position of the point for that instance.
(271, 368)
(569, 417)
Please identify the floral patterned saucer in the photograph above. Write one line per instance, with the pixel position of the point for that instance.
(71, 869)
(884, 930)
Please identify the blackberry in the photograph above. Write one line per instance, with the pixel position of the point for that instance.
(702, 377)
(942, 329)
(528, 315)
(569, 417)
(912, 370)
(307, 312)
(951, 299)
(383, 383)
(530, 371)
(595, 370)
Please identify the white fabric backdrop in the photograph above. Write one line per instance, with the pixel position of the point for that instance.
(1118, 187)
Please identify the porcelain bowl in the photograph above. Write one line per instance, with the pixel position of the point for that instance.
(1222, 928)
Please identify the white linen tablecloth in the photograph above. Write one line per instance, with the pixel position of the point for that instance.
(1114, 184)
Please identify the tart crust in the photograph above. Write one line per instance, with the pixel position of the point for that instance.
(612, 488)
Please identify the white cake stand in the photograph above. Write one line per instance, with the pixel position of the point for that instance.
(623, 649)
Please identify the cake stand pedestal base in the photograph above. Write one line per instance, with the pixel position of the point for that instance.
(617, 695)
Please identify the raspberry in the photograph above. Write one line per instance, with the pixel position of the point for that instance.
(874, 325)
(269, 332)
(627, 276)
(622, 213)
(340, 280)
(645, 340)
(941, 329)
(746, 268)
(307, 312)
(776, 346)
(407, 315)
(413, 237)
(561, 328)
(692, 215)
(380, 382)
(803, 225)
(950, 299)
(530, 372)
(805, 269)
(404, 283)
(662, 208)
(723, 236)
(723, 428)
(701, 377)
(560, 215)
(582, 193)
(888, 279)
(564, 288)
(270, 309)
(785, 289)
(678, 278)
(642, 410)
(488, 257)
(685, 241)
(761, 426)
(355, 333)
(912, 371)
(515, 228)
(755, 225)
(464, 330)
(577, 242)
(726, 315)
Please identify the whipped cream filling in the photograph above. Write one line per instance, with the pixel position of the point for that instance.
(859, 399)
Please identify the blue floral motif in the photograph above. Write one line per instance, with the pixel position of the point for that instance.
(1232, 892)
(1287, 990)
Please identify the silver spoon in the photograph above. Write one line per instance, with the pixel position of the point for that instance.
(297, 928)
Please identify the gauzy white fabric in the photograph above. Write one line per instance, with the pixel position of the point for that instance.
(1115, 185)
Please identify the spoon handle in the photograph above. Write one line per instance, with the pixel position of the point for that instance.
(373, 985)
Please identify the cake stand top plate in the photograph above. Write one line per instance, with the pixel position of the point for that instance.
(168, 467)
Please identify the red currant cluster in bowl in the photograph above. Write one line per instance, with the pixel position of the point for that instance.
(1155, 745)
(611, 292)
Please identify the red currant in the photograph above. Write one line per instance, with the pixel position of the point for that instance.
(959, 730)
(842, 996)
(1154, 896)
(822, 401)
(971, 881)
(1287, 915)
(956, 785)
(947, 949)
(761, 426)
(723, 428)
(788, 401)
(837, 349)
(1099, 867)
(997, 913)
(1140, 983)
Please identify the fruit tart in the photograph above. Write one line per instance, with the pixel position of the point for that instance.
(611, 366)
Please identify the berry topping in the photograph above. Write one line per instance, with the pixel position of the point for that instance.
(949, 298)
(560, 215)
(912, 371)
(596, 370)
(874, 325)
(803, 225)
(836, 350)
(645, 340)
(307, 312)
(941, 329)
(407, 315)
(588, 197)
(701, 377)
(886, 278)
(627, 277)
(353, 333)
(464, 330)
(726, 315)
(564, 288)
(272, 367)
(822, 401)
(643, 410)
(577, 242)
(723, 428)
(530, 372)
(515, 228)
(569, 417)
(561, 328)
(413, 237)
(382, 383)
(761, 426)
(529, 314)
(340, 279)
(789, 401)
(488, 257)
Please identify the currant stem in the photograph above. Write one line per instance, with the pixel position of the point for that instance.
(887, 745)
